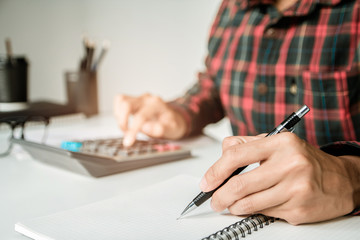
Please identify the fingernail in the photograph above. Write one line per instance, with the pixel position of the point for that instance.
(127, 141)
(203, 184)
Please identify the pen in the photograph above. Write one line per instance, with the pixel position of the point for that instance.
(84, 58)
(89, 56)
(9, 51)
(287, 124)
(104, 49)
(89, 46)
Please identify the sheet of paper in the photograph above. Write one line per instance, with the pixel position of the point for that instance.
(150, 213)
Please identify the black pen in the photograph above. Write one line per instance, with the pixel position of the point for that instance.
(104, 49)
(89, 56)
(287, 124)
(9, 51)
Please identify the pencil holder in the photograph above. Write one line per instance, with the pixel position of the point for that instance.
(82, 91)
(13, 83)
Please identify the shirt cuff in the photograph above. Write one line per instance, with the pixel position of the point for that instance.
(342, 148)
(355, 212)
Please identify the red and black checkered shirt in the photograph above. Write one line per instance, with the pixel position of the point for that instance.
(263, 64)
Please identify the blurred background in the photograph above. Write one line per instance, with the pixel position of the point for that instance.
(157, 46)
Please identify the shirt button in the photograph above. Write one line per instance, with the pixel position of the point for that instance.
(293, 88)
(262, 88)
(270, 32)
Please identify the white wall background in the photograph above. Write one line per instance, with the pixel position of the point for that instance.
(157, 46)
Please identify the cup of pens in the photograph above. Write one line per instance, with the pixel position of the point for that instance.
(82, 85)
(13, 81)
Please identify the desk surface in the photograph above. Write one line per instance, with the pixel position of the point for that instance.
(31, 189)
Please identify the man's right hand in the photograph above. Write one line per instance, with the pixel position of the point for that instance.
(151, 116)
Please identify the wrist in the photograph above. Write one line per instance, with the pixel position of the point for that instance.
(182, 119)
(352, 166)
(181, 125)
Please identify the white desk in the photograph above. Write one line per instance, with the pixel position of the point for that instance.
(30, 189)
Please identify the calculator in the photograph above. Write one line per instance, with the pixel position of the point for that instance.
(101, 157)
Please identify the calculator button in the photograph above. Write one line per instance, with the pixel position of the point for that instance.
(115, 148)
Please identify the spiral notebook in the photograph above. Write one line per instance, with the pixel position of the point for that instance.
(242, 228)
(151, 213)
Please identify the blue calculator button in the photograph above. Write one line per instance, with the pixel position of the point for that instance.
(71, 146)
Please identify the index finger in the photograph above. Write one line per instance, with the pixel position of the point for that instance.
(235, 140)
(123, 107)
(234, 157)
(139, 119)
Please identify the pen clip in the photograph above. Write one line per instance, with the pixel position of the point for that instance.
(291, 129)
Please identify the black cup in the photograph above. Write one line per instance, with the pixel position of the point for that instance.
(13, 80)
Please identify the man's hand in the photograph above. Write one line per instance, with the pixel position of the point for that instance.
(151, 115)
(295, 181)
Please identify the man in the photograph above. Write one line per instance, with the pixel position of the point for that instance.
(266, 59)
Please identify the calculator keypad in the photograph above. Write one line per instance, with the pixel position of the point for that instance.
(115, 147)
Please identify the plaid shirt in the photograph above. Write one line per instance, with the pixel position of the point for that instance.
(264, 64)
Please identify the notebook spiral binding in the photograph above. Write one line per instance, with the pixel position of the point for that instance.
(241, 228)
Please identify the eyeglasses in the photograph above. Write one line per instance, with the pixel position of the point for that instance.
(28, 128)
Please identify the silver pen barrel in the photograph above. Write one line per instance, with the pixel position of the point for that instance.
(302, 111)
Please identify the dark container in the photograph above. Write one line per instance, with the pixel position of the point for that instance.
(82, 91)
(13, 80)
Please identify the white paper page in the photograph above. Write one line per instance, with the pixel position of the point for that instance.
(150, 213)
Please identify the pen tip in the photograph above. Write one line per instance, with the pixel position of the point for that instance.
(188, 209)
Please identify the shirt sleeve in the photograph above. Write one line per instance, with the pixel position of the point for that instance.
(355, 212)
(342, 148)
(201, 104)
